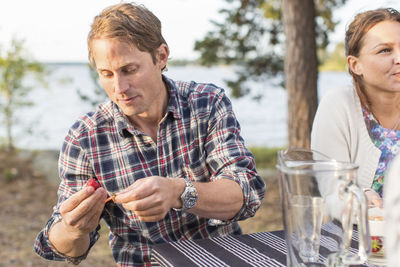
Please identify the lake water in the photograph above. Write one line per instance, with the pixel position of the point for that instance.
(263, 123)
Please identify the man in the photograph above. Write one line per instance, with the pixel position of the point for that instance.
(169, 152)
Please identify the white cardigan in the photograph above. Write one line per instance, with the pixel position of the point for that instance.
(339, 131)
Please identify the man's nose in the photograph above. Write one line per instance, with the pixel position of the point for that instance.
(397, 59)
(121, 85)
(397, 56)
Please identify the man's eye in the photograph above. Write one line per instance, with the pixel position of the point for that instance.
(129, 71)
(106, 74)
(385, 50)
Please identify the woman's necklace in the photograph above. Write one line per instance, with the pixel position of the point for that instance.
(395, 125)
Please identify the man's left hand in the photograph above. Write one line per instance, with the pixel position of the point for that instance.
(151, 198)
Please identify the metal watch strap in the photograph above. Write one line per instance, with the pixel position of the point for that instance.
(189, 196)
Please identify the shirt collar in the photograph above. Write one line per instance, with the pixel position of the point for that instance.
(122, 123)
(173, 104)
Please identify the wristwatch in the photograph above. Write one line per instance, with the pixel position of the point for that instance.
(189, 196)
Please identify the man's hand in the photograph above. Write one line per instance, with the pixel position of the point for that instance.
(81, 212)
(80, 216)
(151, 198)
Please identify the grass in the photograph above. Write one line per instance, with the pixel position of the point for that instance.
(266, 158)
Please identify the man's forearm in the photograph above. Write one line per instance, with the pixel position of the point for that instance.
(220, 199)
(67, 244)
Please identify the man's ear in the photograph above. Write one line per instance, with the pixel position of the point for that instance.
(354, 65)
(162, 55)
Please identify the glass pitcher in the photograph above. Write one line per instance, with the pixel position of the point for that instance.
(320, 204)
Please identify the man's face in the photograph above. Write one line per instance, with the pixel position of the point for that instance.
(129, 76)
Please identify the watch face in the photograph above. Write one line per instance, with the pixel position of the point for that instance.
(190, 197)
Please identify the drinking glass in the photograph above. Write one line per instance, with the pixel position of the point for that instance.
(309, 212)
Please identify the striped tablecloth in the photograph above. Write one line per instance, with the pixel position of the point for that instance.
(257, 249)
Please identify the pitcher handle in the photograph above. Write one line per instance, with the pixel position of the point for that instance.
(362, 222)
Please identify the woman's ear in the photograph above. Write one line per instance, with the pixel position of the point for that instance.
(354, 65)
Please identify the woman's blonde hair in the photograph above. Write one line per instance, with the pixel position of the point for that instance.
(130, 23)
(355, 33)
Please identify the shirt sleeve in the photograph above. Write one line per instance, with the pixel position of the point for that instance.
(75, 171)
(230, 159)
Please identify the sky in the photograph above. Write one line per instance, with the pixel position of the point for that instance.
(56, 30)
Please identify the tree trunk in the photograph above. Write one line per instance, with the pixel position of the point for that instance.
(301, 69)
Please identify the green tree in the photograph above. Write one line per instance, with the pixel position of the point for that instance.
(15, 66)
(256, 36)
(335, 60)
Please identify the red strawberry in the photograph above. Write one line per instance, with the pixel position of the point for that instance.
(93, 183)
(376, 243)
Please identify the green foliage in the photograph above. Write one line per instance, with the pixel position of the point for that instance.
(251, 36)
(334, 61)
(266, 158)
(15, 65)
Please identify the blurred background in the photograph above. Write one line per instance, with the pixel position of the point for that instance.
(46, 84)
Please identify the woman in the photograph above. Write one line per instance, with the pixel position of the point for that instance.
(362, 124)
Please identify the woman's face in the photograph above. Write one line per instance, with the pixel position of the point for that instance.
(379, 61)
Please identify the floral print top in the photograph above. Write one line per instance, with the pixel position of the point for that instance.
(387, 141)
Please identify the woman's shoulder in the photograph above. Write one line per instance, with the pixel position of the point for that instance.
(342, 93)
(340, 97)
(340, 104)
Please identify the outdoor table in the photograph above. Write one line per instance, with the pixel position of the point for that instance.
(256, 249)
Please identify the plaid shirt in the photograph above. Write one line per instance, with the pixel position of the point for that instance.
(198, 139)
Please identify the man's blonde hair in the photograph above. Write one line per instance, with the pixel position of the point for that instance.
(127, 22)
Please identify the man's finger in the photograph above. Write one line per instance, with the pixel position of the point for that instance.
(94, 219)
(88, 206)
(140, 189)
(72, 202)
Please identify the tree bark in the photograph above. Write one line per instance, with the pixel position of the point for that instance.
(301, 69)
